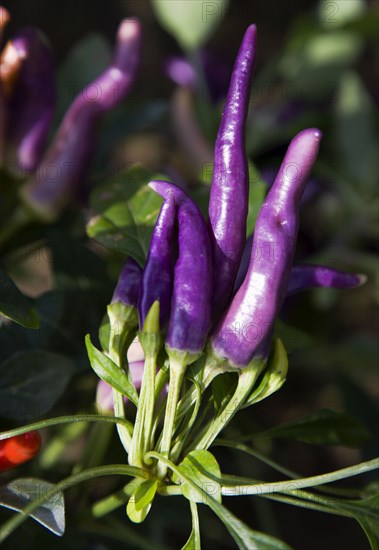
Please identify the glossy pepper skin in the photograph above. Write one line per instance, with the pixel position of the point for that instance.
(31, 106)
(304, 276)
(128, 285)
(18, 449)
(228, 203)
(156, 283)
(65, 162)
(190, 315)
(249, 318)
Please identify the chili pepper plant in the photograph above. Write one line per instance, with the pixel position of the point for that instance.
(190, 336)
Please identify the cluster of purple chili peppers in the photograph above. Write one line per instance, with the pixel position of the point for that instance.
(223, 285)
(218, 292)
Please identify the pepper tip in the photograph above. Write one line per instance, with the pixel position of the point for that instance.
(129, 29)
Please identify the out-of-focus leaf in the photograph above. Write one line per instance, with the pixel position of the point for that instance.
(14, 305)
(338, 12)
(17, 494)
(326, 427)
(84, 63)
(75, 265)
(356, 133)
(313, 67)
(31, 382)
(191, 23)
(126, 213)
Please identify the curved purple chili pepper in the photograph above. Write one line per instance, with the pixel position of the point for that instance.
(32, 104)
(128, 284)
(190, 315)
(304, 277)
(156, 283)
(249, 318)
(66, 160)
(228, 203)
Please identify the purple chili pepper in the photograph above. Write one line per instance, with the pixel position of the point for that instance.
(228, 204)
(32, 104)
(249, 318)
(304, 277)
(65, 162)
(156, 283)
(128, 284)
(191, 297)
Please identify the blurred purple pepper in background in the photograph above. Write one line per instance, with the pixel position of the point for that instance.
(31, 106)
(250, 316)
(156, 283)
(228, 203)
(49, 190)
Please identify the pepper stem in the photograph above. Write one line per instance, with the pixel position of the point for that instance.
(178, 365)
(247, 379)
(124, 319)
(150, 339)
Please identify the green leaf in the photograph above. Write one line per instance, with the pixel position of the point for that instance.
(31, 382)
(194, 541)
(326, 427)
(126, 212)
(108, 371)
(202, 467)
(274, 377)
(141, 500)
(191, 23)
(14, 305)
(17, 494)
(369, 519)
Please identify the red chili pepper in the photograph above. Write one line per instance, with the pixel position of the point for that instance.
(18, 449)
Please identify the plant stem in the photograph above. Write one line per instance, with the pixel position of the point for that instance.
(145, 412)
(246, 381)
(114, 501)
(177, 371)
(65, 420)
(20, 219)
(294, 485)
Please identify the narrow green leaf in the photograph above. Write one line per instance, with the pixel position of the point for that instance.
(17, 494)
(31, 382)
(194, 541)
(326, 427)
(14, 305)
(108, 371)
(274, 377)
